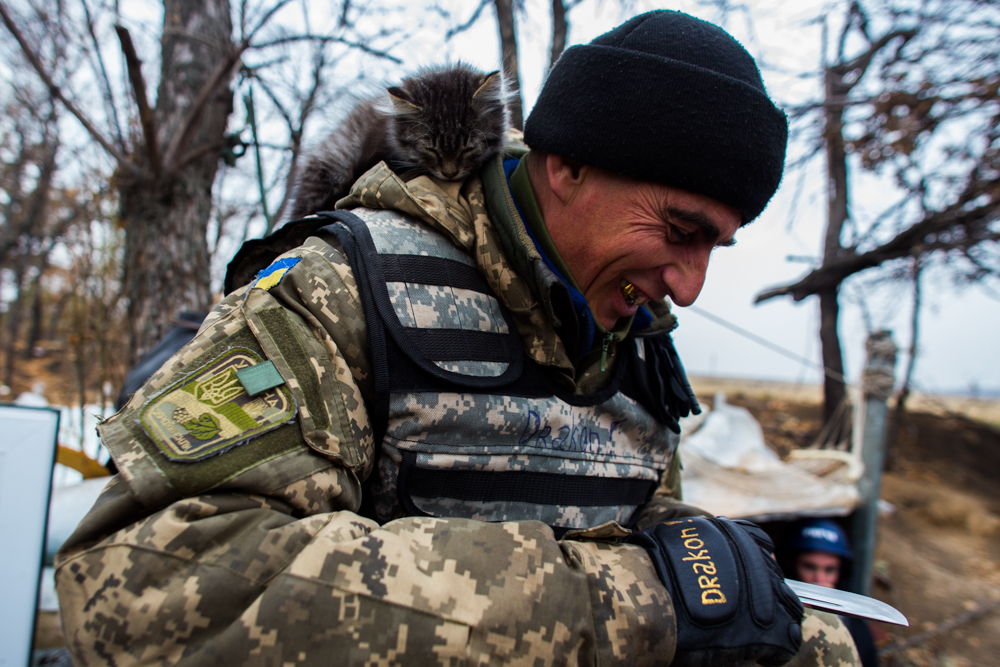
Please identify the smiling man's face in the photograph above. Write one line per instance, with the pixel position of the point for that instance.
(616, 231)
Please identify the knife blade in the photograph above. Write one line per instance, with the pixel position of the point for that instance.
(848, 604)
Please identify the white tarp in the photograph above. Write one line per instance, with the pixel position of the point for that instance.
(729, 471)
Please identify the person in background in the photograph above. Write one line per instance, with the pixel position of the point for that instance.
(818, 553)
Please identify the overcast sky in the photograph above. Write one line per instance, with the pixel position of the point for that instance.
(958, 349)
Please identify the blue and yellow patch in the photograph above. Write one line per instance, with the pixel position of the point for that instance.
(273, 274)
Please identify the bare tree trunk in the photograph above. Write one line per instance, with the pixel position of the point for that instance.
(833, 386)
(837, 213)
(35, 325)
(15, 317)
(899, 411)
(508, 47)
(560, 26)
(904, 390)
(166, 216)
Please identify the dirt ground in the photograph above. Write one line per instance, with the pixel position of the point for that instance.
(938, 553)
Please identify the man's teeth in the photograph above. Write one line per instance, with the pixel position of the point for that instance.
(632, 295)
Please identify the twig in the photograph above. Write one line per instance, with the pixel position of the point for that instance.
(944, 626)
(267, 17)
(468, 24)
(327, 38)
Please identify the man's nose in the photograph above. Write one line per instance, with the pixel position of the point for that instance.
(686, 276)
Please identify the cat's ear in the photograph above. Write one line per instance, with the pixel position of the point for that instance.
(490, 88)
(401, 101)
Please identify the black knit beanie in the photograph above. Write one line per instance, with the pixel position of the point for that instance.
(671, 99)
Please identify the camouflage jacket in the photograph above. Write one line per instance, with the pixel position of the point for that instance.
(243, 545)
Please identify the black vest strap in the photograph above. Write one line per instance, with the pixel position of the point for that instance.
(521, 486)
(424, 346)
(359, 260)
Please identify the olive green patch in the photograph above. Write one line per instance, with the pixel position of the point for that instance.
(282, 332)
(209, 411)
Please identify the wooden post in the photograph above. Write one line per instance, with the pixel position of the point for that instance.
(877, 384)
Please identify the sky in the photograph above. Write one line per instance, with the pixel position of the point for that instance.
(958, 350)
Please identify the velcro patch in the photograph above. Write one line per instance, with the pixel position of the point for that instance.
(273, 274)
(259, 378)
(209, 411)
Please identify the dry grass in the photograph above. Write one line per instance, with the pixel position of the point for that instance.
(986, 410)
(704, 385)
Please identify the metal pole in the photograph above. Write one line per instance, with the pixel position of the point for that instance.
(877, 383)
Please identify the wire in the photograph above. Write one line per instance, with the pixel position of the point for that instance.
(768, 344)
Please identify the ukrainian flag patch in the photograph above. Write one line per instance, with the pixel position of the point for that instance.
(273, 274)
(209, 411)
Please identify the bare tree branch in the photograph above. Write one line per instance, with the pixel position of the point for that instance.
(264, 20)
(921, 237)
(483, 4)
(109, 98)
(288, 39)
(57, 93)
(172, 160)
(199, 153)
(862, 61)
(295, 130)
(146, 119)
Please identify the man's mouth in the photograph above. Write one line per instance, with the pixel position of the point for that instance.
(633, 297)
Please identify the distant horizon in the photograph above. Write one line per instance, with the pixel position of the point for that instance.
(967, 392)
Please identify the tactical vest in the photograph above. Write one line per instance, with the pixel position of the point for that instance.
(465, 424)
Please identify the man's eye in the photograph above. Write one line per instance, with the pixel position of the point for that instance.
(677, 235)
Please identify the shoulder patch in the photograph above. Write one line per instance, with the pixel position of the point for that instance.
(210, 411)
(273, 274)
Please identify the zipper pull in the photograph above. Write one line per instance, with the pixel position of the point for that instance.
(608, 337)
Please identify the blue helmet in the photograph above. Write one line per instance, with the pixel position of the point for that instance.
(820, 535)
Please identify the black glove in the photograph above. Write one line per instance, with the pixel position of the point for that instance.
(730, 599)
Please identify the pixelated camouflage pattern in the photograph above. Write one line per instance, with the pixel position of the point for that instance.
(489, 369)
(825, 641)
(271, 564)
(444, 307)
(480, 432)
(395, 234)
(321, 299)
(563, 515)
(236, 579)
(617, 431)
(495, 433)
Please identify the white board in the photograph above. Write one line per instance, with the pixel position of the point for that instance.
(27, 456)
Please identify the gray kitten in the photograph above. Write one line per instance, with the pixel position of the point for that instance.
(444, 121)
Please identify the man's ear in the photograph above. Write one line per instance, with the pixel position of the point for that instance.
(565, 176)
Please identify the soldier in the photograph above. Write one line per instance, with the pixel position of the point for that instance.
(817, 552)
(443, 430)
